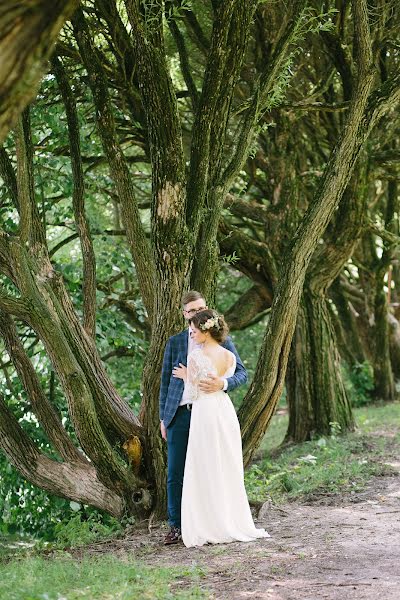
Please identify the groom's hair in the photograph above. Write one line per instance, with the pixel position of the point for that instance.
(191, 296)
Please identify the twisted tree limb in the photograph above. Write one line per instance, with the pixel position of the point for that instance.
(28, 30)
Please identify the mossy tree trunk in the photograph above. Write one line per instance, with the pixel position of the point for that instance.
(319, 398)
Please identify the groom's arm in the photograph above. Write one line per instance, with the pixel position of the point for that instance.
(240, 375)
(165, 377)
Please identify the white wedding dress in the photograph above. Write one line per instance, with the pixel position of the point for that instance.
(215, 508)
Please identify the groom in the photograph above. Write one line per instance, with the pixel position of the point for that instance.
(175, 408)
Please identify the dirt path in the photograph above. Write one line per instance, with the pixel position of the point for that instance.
(350, 550)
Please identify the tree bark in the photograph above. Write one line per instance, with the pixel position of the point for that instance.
(28, 30)
(350, 343)
(320, 398)
(172, 242)
(78, 201)
(138, 243)
(383, 375)
(394, 344)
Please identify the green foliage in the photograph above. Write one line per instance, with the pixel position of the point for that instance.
(359, 382)
(101, 577)
(309, 22)
(78, 531)
(174, 12)
(230, 259)
(25, 509)
(28, 511)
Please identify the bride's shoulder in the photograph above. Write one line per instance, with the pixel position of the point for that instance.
(229, 356)
(228, 352)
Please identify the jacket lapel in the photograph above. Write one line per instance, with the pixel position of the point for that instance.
(183, 344)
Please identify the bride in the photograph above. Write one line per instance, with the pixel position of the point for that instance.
(215, 508)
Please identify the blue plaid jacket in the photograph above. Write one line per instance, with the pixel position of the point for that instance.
(171, 389)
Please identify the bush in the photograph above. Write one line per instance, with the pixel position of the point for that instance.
(27, 511)
(359, 381)
(79, 530)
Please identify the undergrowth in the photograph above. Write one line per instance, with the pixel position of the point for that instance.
(329, 465)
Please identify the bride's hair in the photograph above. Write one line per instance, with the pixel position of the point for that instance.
(211, 322)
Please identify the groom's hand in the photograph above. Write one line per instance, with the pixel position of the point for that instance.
(163, 431)
(213, 383)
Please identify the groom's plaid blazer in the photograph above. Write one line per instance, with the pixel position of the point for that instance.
(171, 389)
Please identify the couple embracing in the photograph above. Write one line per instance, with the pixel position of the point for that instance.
(207, 501)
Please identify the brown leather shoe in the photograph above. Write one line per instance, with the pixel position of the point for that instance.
(173, 537)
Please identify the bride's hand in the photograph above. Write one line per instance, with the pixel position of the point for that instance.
(180, 372)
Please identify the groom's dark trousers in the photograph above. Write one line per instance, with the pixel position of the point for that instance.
(177, 441)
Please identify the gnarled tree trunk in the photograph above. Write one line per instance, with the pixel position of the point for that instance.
(319, 398)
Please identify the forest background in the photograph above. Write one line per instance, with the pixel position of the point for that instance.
(245, 149)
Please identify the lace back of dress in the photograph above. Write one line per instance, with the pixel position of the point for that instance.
(199, 367)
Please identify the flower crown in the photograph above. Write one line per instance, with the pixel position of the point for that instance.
(210, 323)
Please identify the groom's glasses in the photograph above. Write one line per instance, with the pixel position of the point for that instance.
(193, 311)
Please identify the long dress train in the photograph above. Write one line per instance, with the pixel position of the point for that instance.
(215, 508)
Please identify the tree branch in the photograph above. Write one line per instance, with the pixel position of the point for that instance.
(78, 203)
(387, 236)
(106, 125)
(44, 411)
(250, 210)
(166, 149)
(258, 102)
(8, 174)
(64, 242)
(5, 256)
(28, 29)
(315, 106)
(195, 31)
(254, 258)
(31, 227)
(340, 59)
(251, 305)
(184, 60)
(213, 193)
(208, 104)
(13, 306)
(77, 481)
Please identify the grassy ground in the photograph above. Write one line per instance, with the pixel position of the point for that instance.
(104, 577)
(333, 466)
